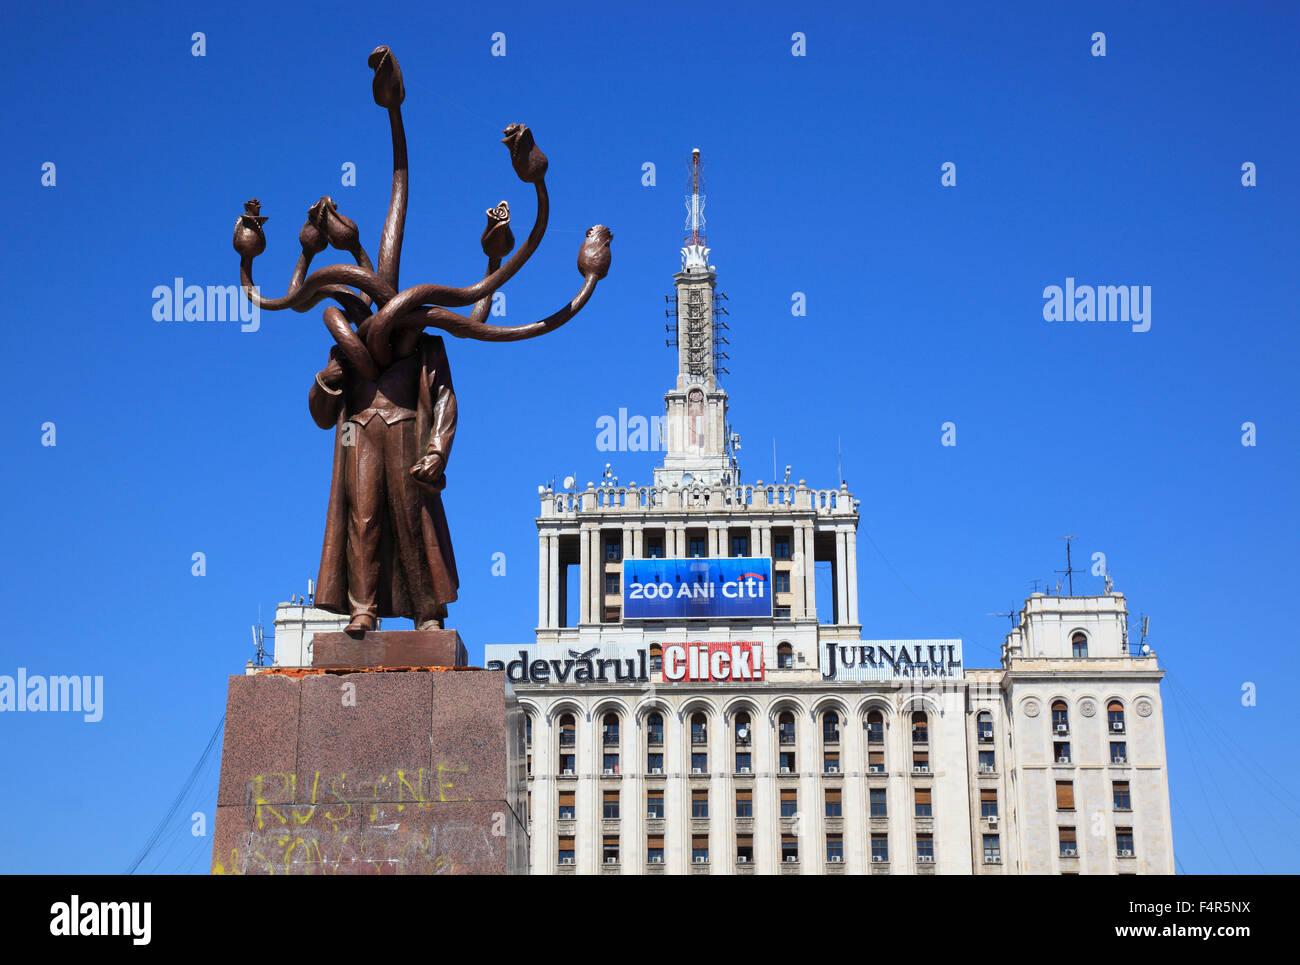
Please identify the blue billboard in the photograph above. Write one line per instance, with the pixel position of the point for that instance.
(739, 586)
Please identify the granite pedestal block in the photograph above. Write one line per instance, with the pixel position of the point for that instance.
(404, 772)
(388, 648)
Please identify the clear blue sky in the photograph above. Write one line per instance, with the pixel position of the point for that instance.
(924, 305)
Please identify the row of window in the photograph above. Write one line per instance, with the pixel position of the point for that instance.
(789, 803)
(1061, 752)
(697, 545)
(1114, 717)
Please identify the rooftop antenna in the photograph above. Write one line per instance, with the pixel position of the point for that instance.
(774, 459)
(839, 460)
(1069, 569)
(787, 473)
(311, 593)
(259, 638)
(1035, 583)
(1010, 616)
(1146, 627)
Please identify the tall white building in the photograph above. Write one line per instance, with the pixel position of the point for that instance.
(698, 717)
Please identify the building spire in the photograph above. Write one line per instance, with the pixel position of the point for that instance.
(695, 256)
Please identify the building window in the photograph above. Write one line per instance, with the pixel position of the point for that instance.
(925, 847)
(922, 796)
(787, 762)
(1115, 717)
(879, 807)
(831, 762)
(781, 613)
(613, 584)
(1065, 795)
(656, 658)
(699, 729)
(567, 735)
(834, 848)
(654, 548)
(1124, 842)
(654, 763)
(781, 581)
(699, 804)
(654, 805)
(609, 849)
(744, 802)
(834, 803)
(1060, 718)
(700, 848)
(785, 728)
(528, 730)
(987, 762)
(984, 727)
(612, 614)
(740, 546)
(785, 658)
(875, 727)
(654, 849)
(744, 762)
(566, 764)
(789, 848)
(988, 802)
(566, 805)
(880, 847)
(699, 762)
(698, 546)
(1069, 844)
(613, 549)
(655, 729)
(992, 849)
(611, 763)
(920, 760)
(1118, 752)
(744, 733)
(1061, 752)
(529, 764)
(609, 729)
(744, 848)
(565, 855)
(610, 805)
(780, 547)
(1079, 645)
(1120, 799)
(830, 727)
(875, 762)
(920, 727)
(789, 802)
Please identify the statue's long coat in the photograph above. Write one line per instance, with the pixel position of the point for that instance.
(435, 428)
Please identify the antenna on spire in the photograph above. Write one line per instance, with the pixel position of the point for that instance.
(1069, 568)
(695, 253)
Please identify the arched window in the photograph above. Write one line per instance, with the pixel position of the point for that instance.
(875, 727)
(784, 657)
(568, 737)
(830, 727)
(654, 725)
(984, 727)
(920, 727)
(785, 727)
(1060, 717)
(656, 658)
(609, 728)
(1079, 644)
(528, 730)
(567, 731)
(744, 732)
(1115, 716)
(699, 729)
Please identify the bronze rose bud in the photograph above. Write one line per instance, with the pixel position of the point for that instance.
(498, 240)
(312, 237)
(249, 240)
(387, 86)
(528, 160)
(594, 256)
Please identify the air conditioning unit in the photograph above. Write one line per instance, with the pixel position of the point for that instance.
(921, 768)
(1126, 854)
(741, 859)
(1063, 760)
(657, 859)
(700, 859)
(925, 858)
(1117, 725)
(567, 772)
(876, 769)
(610, 770)
(566, 861)
(744, 770)
(1070, 853)
(697, 770)
(833, 769)
(877, 859)
(993, 821)
(785, 770)
(611, 555)
(791, 859)
(1119, 760)
(654, 817)
(836, 859)
(656, 770)
(1062, 729)
(986, 768)
(992, 860)
(611, 861)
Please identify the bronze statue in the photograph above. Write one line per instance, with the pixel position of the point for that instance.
(387, 389)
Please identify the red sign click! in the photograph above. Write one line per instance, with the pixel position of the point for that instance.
(713, 661)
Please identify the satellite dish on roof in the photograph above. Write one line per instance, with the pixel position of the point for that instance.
(568, 482)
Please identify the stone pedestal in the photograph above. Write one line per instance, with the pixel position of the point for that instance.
(411, 772)
(388, 648)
